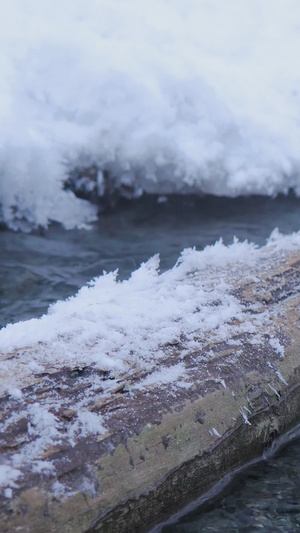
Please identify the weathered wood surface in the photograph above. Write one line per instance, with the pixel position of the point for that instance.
(163, 444)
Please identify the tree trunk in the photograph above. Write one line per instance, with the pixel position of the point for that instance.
(163, 445)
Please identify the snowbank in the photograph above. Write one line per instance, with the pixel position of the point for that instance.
(166, 97)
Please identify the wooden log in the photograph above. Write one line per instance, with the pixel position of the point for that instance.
(162, 444)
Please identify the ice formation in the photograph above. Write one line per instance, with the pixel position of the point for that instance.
(123, 326)
(165, 97)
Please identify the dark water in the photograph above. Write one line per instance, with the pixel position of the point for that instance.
(265, 497)
(39, 268)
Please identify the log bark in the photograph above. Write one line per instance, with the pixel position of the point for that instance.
(163, 445)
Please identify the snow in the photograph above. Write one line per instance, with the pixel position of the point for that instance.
(15, 392)
(7, 493)
(282, 242)
(277, 346)
(120, 326)
(87, 423)
(124, 325)
(165, 375)
(167, 96)
(8, 476)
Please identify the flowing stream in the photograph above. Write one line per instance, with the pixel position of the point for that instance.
(39, 268)
(262, 497)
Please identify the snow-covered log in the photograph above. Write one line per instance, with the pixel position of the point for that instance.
(87, 447)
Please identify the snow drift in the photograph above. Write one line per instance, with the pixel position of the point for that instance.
(165, 97)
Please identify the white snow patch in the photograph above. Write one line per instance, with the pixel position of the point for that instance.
(8, 493)
(14, 392)
(43, 467)
(164, 375)
(168, 96)
(42, 430)
(8, 476)
(282, 242)
(35, 367)
(183, 384)
(58, 489)
(87, 423)
(277, 346)
(42, 423)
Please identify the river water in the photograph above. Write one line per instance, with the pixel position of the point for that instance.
(39, 268)
(263, 497)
